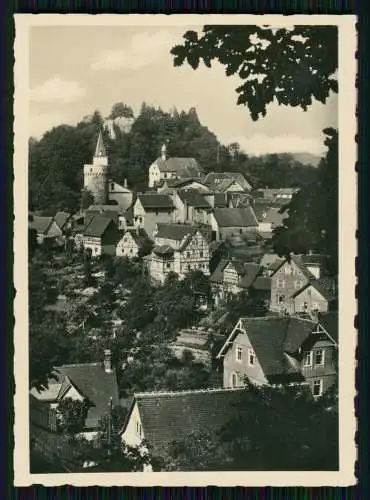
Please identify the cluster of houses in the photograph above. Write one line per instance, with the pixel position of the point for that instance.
(217, 224)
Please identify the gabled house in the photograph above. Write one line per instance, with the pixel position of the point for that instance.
(233, 276)
(152, 208)
(46, 229)
(161, 418)
(191, 207)
(179, 248)
(164, 168)
(228, 222)
(101, 235)
(122, 195)
(132, 241)
(95, 383)
(172, 185)
(215, 180)
(270, 220)
(277, 350)
(297, 287)
(63, 221)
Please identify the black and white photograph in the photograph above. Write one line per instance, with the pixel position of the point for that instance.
(185, 217)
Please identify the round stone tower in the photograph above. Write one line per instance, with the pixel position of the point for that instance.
(96, 175)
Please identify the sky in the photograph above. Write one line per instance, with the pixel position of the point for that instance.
(75, 70)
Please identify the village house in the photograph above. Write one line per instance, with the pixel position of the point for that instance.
(228, 222)
(269, 220)
(132, 242)
(164, 168)
(179, 248)
(47, 230)
(95, 383)
(161, 418)
(227, 182)
(233, 276)
(63, 221)
(191, 207)
(169, 186)
(100, 235)
(297, 286)
(276, 194)
(152, 208)
(276, 350)
(122, 195)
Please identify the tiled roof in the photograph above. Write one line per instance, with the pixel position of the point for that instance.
(330, 322)
(247, 272)
(184, 167)
(91, 380)
(163, 250)
(93, 209)
(155, 201)
(220, 200)
(170, 417)
(274, 339)
(322, 286)
(139, 235)
(235, 217)
(178, 183)
(193, 198)
(262, 283)
(98, 225)
(260, 207)
(61, 218)
(40, 224)
(213, 178)
(173, 231)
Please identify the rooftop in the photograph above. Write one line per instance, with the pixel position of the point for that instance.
(235, 217)
(156, 201)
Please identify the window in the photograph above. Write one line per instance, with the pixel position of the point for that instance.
(188, 255)
(280, 283)
(317, 387)
(281, 298)
(251, 357)
(139, 429)
(319, 357)
(241, 231)
(307, 359)
(239, 353)
(201, 253)
(168, 265)
(234, 380)
(112, 186)
(298, 284)
(305, 306)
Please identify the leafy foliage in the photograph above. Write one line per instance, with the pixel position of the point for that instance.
(72, 415)
(307, 228)
(290, 65)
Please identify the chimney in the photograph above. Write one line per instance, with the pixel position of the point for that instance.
(107, 361)
(125, 183)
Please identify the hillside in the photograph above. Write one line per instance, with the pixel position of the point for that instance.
(133, 143)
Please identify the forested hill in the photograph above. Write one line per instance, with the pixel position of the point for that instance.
(56, 161)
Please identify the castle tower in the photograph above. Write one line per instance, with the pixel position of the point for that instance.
(96, 175)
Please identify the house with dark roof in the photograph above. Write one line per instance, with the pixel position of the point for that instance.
(178, 248)
(164, 168)
(46, 229)
(95, 383)
(191, 207)
(161, 418)
(150, 208)
(132, 241)
(275, 350)
(297, 287)
(169, 186)
(233, 276)
(228, 222)
(63, 220)
(101, 234)
(227, 182)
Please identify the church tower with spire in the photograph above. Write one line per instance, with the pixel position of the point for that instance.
(96, 175)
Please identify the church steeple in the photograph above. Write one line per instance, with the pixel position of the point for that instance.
(164, 152)
(100, 148)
